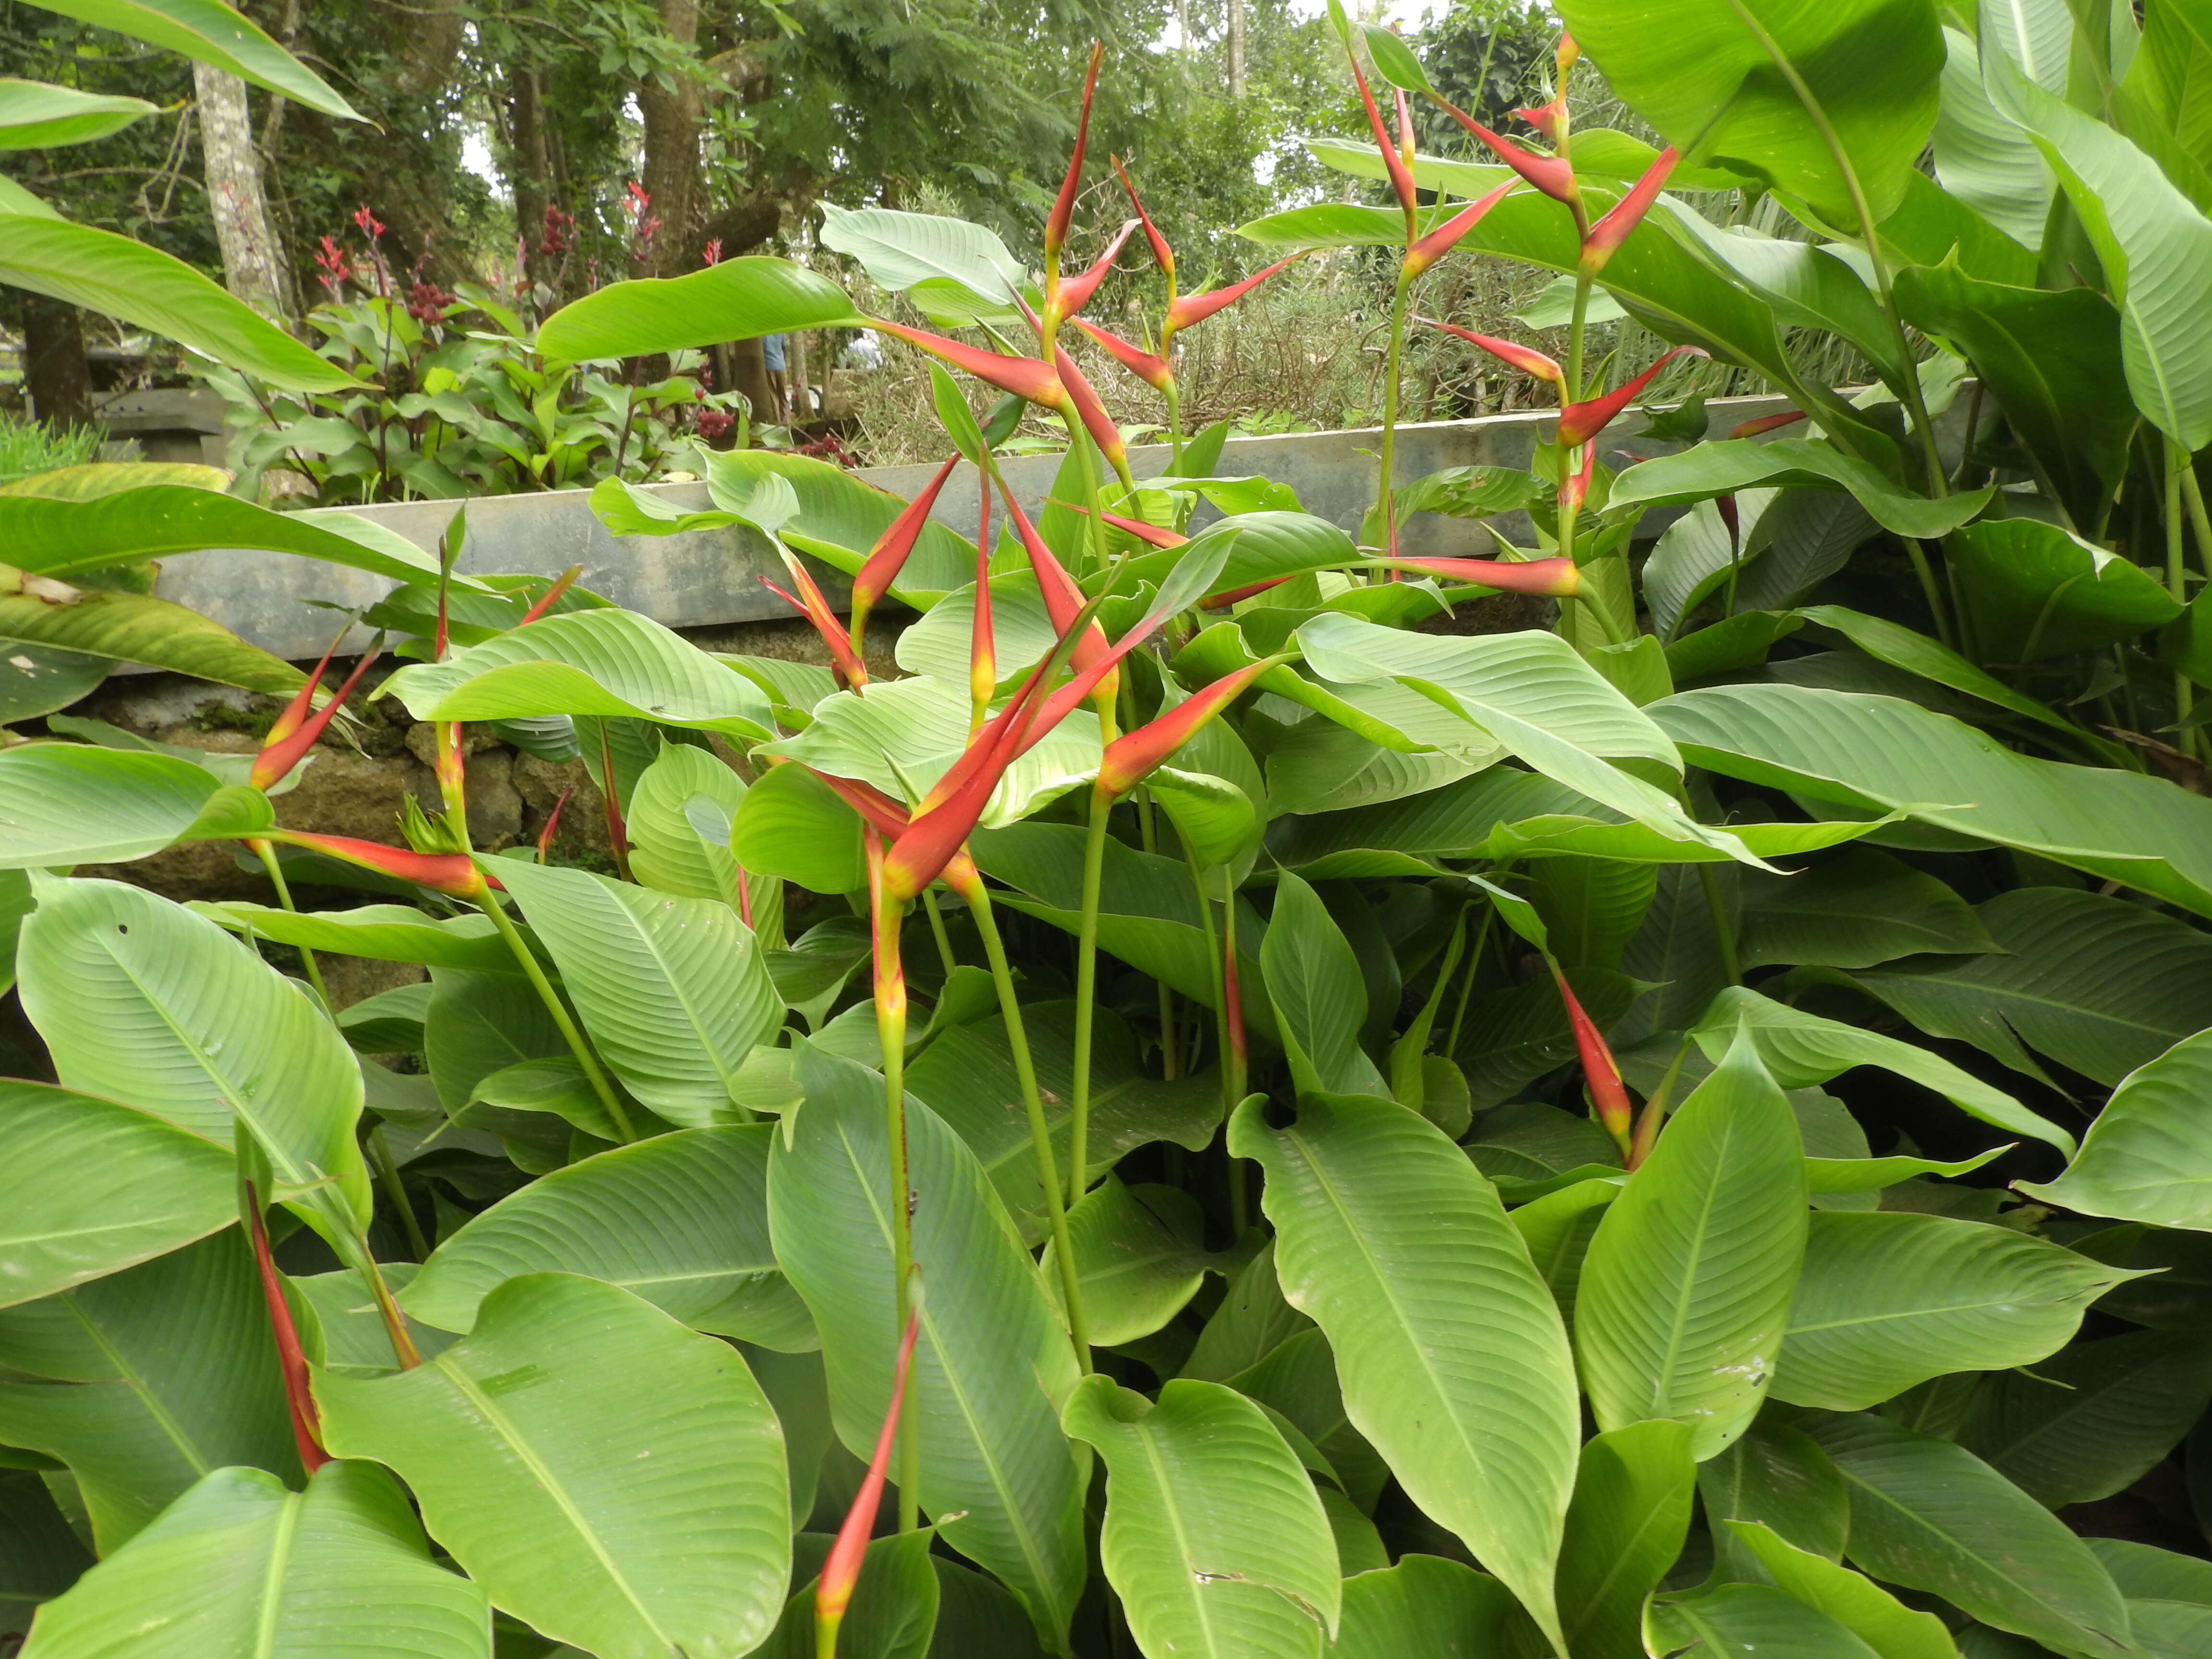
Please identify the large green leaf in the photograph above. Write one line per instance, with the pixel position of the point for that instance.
(673, 990)
(604, 662)
(678, 822)
(96, 1187)
(609, 1478)
(1297, 1378)
(1214, 1537)
(1888, 1301)
(382, 933)
(2098, 984)
(239, 1565)
(1863, 907)
(991, 1367)
(152, 1377)
(2154, 244)
(1427, 1605)
(839, 517)
(66, 803)
(1699, 473)
(1930, 1515)
(1778, 1478)
(1881, 753)
(1452, 1356)
(736, 300)
(1985, 163)
(1139, 1258)
(143, 1002)
(65, 537)
(680, 1220)
(120, 278)
(1685, 1291)
(1748, 1621)
(213, 34)
(477, 1024)
(2035, 590)
(2052, 362)
(38, 115)
(2092, 1419)
(962, 269)
(794, 827)
(46, 615)
(1625, 1526)
(2149, 1156)
(1886, 1625)
(1731, 81)
(1801, 1049)
(1320, 1003)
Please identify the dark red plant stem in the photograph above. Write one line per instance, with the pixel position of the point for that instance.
(307, 1421)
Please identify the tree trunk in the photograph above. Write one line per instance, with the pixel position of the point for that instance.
(251, 269)
(528, 174)
(1237, 48)
(748, 375)
(55, 368)
(795, 358)
(671, 151)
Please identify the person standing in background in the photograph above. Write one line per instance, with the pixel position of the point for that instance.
(778, 384)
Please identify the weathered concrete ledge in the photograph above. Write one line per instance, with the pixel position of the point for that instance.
(709, 578)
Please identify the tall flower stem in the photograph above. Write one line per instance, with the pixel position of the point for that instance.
(525, 958)
(887, 914)
(269, 862)
(1017, 1040)
(1086, 995)
(1213, 965)
(1170, 1059)
(1387, 458)
(937, 931)
(387, 1171)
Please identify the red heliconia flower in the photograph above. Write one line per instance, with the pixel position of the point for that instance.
(1401, 177)
(455, 873)
(1431, 247)
(1604, 238)
(841, 1569)
(1190, 308)
(552, 596)
(1527, 358)
(1160, 250)
(1158, 535)
(1062, 597)
(1549, 173)
(1091, 412)
(1223, 600)
(1063, 206)
(712, 253)
(291, 1358)
(1152, 370)
(1133, 756)
(1025, 377)
(1555, 578)
(892, 549)
(1574, 489)
(810, 604)
(294, 731)
(1580, 422)
(1607, 1093)
(1752, 428)
(1545, 118)
(1075, 292)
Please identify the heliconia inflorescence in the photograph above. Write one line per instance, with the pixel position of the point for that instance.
(1615, 1113)
(892, 549)
(455, 873)
(1134, 755)
(1580, 422)
(1426, 250)
(1075, 292)
(1604, 238)
(841, 1569)
(811, 603)
(1527, 358)
(1556, 579)
(291, 1358)
(1754, 428)
(294, 729)
(1148, 367)
(552, 596)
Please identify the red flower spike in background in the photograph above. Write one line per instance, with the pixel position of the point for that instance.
(371, 226)
(1161, 251)
(1607, 1093)
(1075, 292)
(552, 594)
(1152, 371)
(841, 1569)
(291, 1359)
(1604, 238)
(1426, 251)
(1752, 428)
(1580, 422)
(1025, 377)
(294, 731)
(1555, 578)
(1063, 206)
(811, 603)
(1132, 756)
(443, 872)
(552, 824)
(1191, 308)
(1402, 179)
(1527, 358)
(1549, 173)
(892, 549)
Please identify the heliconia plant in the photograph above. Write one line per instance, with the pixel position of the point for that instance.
(1665, 1124)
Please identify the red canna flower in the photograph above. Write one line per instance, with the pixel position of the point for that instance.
(1427, 250)
(291, 1359)
(1075, 292)
(445, 872)
(1607, 1093)
(294, 731)
(1063, 207)
(1580, 422)
(840, 1569)
(1131, 757)
(811, 603)
(546, 600)
(1604, 238)
(1549, 173)
(1752, 428)
(889, 554)
(1552, 578)
(1160, 250)
(1527, 358)
(1191, 308)
(1025, 377)
(1152, 370)
(1401, 178)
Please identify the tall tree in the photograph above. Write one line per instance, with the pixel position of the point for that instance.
(253, 264)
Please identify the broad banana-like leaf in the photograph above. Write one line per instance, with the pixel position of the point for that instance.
(1319, 1004)
(1426, 1604)
(1452, 1356)
(1686, 1292)
(382, 933)
(2149, 1156)
(213, 34)
(70, 803)
(65, 537)
(38, 115)
(1853, 1601)
(1862, 908)
(1779, 1479)
(1748, 1619)
(2036, 590)
(736, 300)
(239, 1565)
(40, 613)
(1625, 1526)
(1214, 1537)
(1720, 469)
(1139, 1258)
(609, 1478)
(792, 826)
